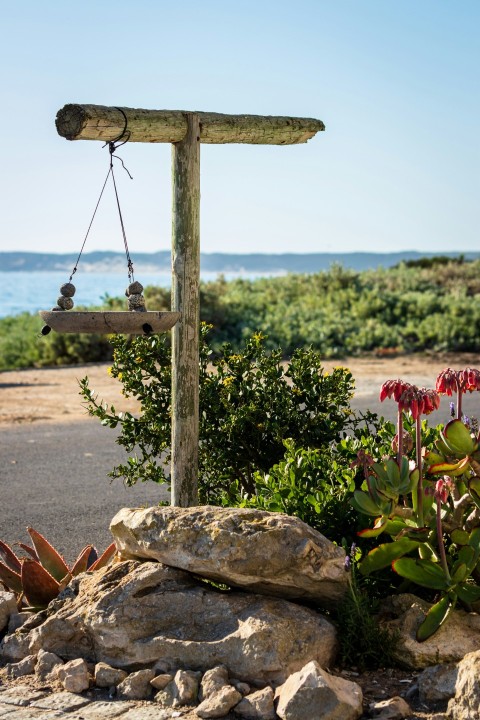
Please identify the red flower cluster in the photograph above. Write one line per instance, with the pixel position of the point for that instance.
(453, 381)
(418, 401)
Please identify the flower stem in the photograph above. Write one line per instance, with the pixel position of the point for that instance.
(418, 447)
(400, 436)
(459, 402)
(441, 546)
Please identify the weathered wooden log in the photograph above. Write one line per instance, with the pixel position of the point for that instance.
(186, 300)
(97, 122)
(124, 323)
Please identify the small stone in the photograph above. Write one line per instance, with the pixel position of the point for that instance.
(257, 706)
(57, 309)
(136, 686)
(437, 682)
(24, 667)
(46, 663)
(134, 288)
(159, 682)
(8, 607)
(163, 667)
(220, 703)
(65, 303)
(311, 688)
(136, 302)
(212, 681)
(17, 619)
(74, 676)
(242, 687)
(107, 676)
(186, 683)
(68, 290)
(393, 709)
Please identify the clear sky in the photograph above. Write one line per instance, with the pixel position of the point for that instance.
(396, 83)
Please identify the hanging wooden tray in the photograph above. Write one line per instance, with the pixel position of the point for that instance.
(126, 322)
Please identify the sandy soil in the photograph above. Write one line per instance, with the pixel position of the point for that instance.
(51, 395)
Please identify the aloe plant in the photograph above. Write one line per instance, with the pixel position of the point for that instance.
(39, 578)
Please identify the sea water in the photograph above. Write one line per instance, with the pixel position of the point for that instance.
(33, 291)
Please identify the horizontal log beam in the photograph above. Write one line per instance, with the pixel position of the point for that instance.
(96, 122)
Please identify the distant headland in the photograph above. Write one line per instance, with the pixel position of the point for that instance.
(106, 261)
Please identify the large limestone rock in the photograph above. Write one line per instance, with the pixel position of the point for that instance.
(466, 703)
(459, 635)
(264, 552)
(133, 615)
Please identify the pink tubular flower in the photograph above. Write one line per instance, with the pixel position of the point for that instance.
(469, 379)
(447, 382)
(393, 388)
(442, 489)
(417, 401)
(458, 381)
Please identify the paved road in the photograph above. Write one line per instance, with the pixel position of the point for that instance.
(54, 478)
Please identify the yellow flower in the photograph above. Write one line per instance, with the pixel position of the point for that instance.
(228, 381)
(109, 370)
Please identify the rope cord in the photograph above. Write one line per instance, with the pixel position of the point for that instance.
(112, 147)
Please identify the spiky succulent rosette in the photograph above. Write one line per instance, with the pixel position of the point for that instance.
(39, 578)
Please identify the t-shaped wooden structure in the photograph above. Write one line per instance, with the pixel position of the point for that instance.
(185, 130)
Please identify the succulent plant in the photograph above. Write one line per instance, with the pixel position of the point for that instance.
(39, 578)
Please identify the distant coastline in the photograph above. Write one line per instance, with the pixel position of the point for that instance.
(114, 262)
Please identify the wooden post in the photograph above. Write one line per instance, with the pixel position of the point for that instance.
(185, 299)
(185, 131)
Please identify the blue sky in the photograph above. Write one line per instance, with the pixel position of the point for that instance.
(396, 83)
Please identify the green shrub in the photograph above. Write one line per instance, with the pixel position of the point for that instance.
(250, 404)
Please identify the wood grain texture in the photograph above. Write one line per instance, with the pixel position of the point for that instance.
(124, 323)
(97, 122)
(185, 300)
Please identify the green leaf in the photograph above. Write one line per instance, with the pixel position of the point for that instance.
(474, 540)
(364, 504)
(422, 572)
(379, 526)
(468, 593)
(383, 555)
(467, 556)
(474, 490)
(437, 615)
(452, 469)
(395, 526)
(433, 458)
(459, 573)
(460, 537)
(457, 437)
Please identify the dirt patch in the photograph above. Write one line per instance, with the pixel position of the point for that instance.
(51, 395)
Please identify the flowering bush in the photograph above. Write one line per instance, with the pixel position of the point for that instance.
(429, 504)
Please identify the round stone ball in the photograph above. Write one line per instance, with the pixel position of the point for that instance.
(134, 288)
(66, 303)
(136, 302)
(68, 290)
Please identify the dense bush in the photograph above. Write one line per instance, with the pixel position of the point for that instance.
(431, 306)
(250, 403)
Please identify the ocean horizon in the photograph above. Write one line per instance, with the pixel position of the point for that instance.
(30, 292)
